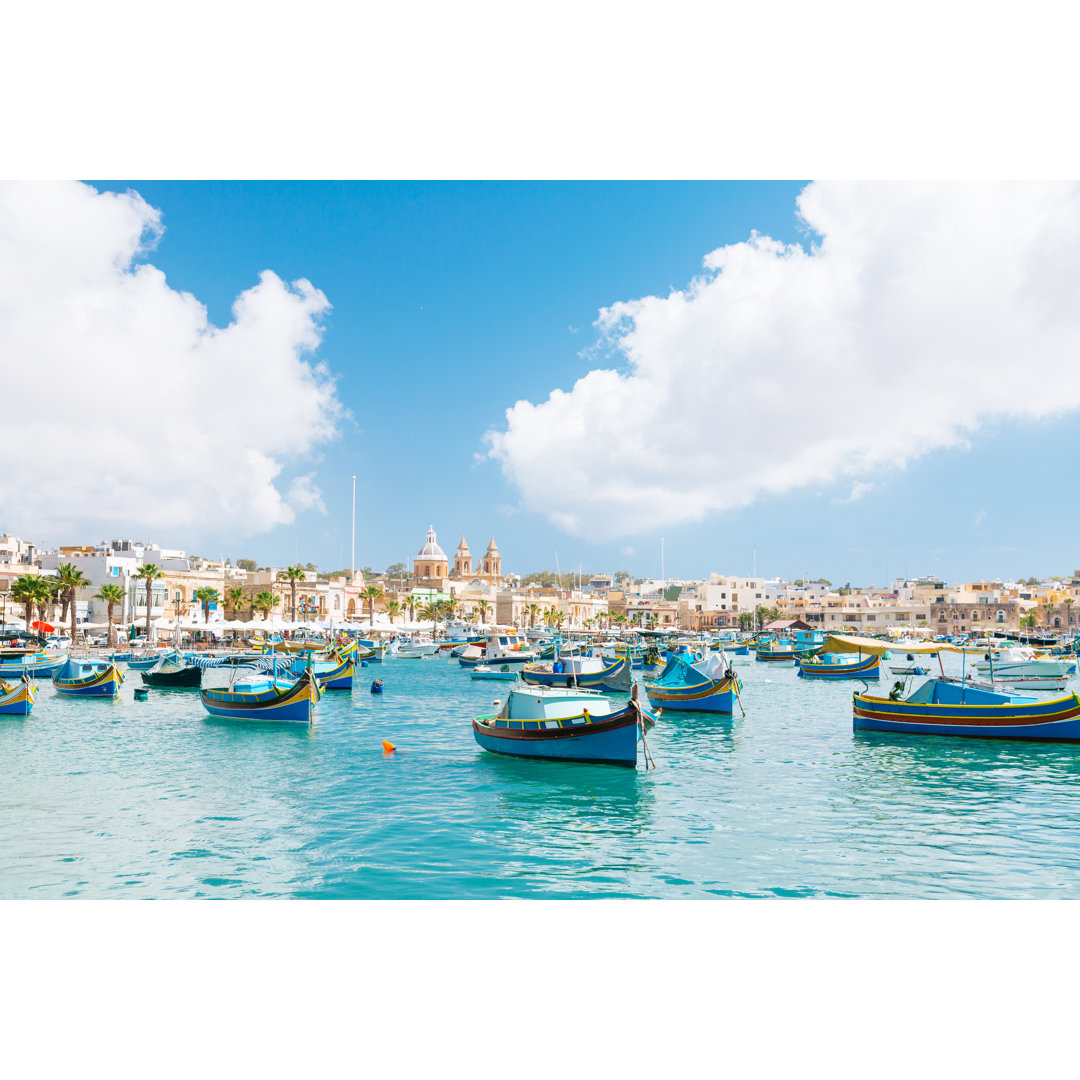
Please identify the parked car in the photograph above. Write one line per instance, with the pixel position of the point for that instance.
(58, 641)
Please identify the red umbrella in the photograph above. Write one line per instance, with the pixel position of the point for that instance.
(44, 627)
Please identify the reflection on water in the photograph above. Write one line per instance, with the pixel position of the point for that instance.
(154, 799)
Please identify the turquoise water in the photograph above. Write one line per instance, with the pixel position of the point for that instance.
(150, 799)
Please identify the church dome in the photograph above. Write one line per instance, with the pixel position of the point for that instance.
(431, 549)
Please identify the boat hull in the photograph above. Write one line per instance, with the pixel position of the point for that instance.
(610, 741)
(293, 705)
(17, 700)
(1057, 720)
(185, 679)
(869, 668)
(102, 683)
(615, 677)
(713, 695)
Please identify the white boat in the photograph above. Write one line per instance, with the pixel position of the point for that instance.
(506, 647)
(412, 650)
(1018, 665)
(504, 673)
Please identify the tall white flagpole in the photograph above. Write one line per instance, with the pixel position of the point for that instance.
(352, 564)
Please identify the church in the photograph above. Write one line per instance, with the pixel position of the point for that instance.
(431, 563)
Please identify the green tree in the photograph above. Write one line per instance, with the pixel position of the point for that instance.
(26, 590)
(234, 599)
(206, 596)
(265, 602)
(371, 593)
(393, 610)
(112, 595)
(533, 610)
(482, 609)
(430, 610)
(292, 575)
(247, 564)
(70, 579)
(149, 573)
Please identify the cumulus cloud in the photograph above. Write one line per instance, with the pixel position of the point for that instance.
(305, 495)
(920, 312)
(125, 409)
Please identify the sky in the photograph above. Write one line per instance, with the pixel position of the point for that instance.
(860, 381)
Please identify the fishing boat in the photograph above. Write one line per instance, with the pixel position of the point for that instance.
(413, 650)
(564, 725)
(17, 698)
(89, 679)
(264, 700)
(502, 648)
(946, 706)
(505, 673)
(782, 653)
(20, 662)
(172, 674)
(831, 666)
(695, 682)
(1018, 665)
(334, 673)
(147, 661)
(587, 672)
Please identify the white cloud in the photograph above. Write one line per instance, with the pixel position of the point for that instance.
(924, 311)
(980, 517)
(858, 490)
(125, 410)
(305, 495)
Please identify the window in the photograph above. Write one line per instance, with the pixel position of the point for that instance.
(1001, 616)
(871, 618)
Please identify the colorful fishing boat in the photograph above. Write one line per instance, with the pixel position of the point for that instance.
(89, 679)
(498, 649)
(335, 673)
(500, 674)
(943, 706)
(1019, 665)
(19, 662)
(146, 661)
(783, 653)
(265, 700)
(173, 675)
(587, 672)
(694, 682)
(831, 666)
(564, 725)
(17, 698)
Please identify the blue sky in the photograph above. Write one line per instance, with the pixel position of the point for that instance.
(452, 301)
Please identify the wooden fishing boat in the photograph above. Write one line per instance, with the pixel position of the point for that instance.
(781, 654)
(586, 672)
(695, 683)
(145, 662)
(19, 662)
(562, 725)
(17, 698)
(265, 700)
(335, 673)
(82, 678)
(505, 673)
(944, 706)
(829, 666)
(172, 674)
(498, 649)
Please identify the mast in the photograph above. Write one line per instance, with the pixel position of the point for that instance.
(352, 555)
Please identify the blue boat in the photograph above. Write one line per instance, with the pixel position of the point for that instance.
(88, 679)
(145, 663)
(265, 700)
(17, 699)
(589, 673)
(560, 725)
(944, 706)
(19, 663)
(335, 673)
(831, 666)
(696, 683)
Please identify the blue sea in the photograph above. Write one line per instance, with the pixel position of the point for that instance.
(134, 799)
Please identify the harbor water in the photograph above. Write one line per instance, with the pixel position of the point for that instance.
(131, 799)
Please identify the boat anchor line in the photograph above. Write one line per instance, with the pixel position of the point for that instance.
(636, 706)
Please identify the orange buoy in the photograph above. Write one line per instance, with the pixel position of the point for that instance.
(388, 747)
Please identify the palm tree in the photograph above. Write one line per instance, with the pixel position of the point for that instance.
(292, 575)
(149, 573)
(63, 571)
(26, 590)
(1048, 608)
(69, 579)
(371, 593)
(411, 603)
(393, 610)
(112, 595)
(206, 596)
(482, 608)
(430, 610)
(265, 602)
(449, 606)
(533, 610)
(234, 598)
(1068, 602)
